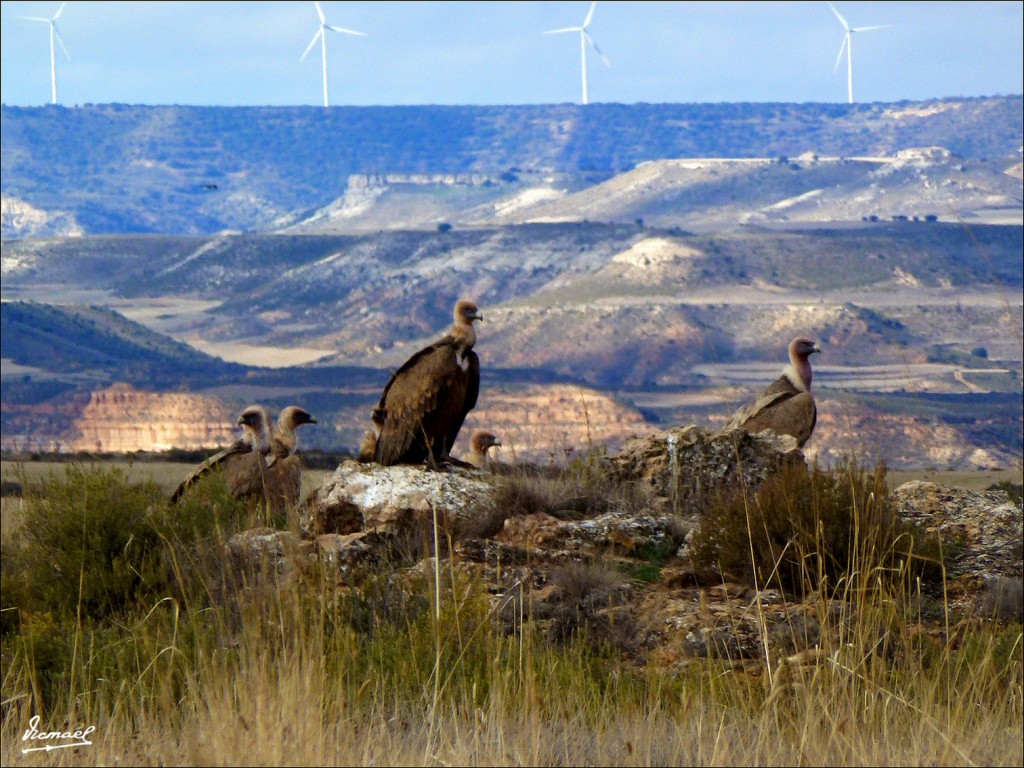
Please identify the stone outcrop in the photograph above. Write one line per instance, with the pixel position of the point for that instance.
(687, 467)
(616, 563)
(982, 536)
(368, 497)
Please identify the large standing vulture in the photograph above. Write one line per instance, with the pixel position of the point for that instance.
(244, 464)
(425, 402)
(479, 444)
(786, 407)
(284, 473)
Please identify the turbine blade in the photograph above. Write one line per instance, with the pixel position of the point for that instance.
(59, 11)
(311, 44)
(319, 12)
(841, 19)
(842, 48)
(599, 53)
(346, 31)
(865, 29)
(56, 33)
(558, 31)
(590, 14)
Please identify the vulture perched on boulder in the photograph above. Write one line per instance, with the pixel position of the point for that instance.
(284, 472)
(479, 444)
(426, 401)
(786, 407)
(244, 464)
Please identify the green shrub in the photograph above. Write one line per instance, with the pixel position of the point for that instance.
(86, 541)
(806, 529)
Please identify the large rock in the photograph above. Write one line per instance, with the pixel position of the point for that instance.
(982, 535)
(686, 467)
(401, 499)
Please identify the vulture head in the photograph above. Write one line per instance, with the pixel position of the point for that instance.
(800, 349)
(466, 313)
(256, 420)
(479, 444)
(482, 440)
(293, 416)
(287, 421)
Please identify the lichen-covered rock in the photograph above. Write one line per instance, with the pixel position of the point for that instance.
(982, 532)
(267, 551)
(686, 467)
(368, 497)
(982, 535)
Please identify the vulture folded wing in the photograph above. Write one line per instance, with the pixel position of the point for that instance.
(218, 460)
(417, 403)
(781, 408)
(284, 483)
(246, 475)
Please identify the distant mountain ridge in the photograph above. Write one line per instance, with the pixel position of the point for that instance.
(108, 169)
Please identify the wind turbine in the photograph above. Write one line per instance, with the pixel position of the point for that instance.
(53, 59)
(321, 34)
(584, 39)
(848, 45)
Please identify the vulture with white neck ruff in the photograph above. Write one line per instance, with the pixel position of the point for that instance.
(786, 407)
(426, 400)
(244, 463)
(284, 473)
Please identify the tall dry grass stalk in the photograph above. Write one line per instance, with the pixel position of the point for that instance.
(251, 667)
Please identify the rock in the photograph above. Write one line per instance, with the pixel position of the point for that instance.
(982, 535)
(686, 467)
(982, 532)
(401, 499)
(267, 551)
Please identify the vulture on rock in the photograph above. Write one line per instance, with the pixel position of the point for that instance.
(244, 464)
(786, 407)
(426, 401)
(284, 472)
(479, 443)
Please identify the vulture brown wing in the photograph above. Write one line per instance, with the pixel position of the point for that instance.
(220, 459)
(794, 416)
(284, 483)
(416, 404)
(246, 474)
(779, 390)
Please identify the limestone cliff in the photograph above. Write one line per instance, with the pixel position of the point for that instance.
(545, 422)
(121, 418)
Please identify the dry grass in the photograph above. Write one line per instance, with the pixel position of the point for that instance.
(414, 669)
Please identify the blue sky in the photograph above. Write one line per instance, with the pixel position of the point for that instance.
(235, 53)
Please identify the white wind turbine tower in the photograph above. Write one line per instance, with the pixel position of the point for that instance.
(848, 45)
(321, 34)
(584, 39)
(53, 59)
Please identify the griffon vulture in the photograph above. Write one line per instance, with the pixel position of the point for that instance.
(425, 402)
(786, 407)
(284, 473)
(244, 464)
(479, 444)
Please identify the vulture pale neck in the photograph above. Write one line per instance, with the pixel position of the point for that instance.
(259, 431)
(285, 439)
(464, 332)
(799, 369)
